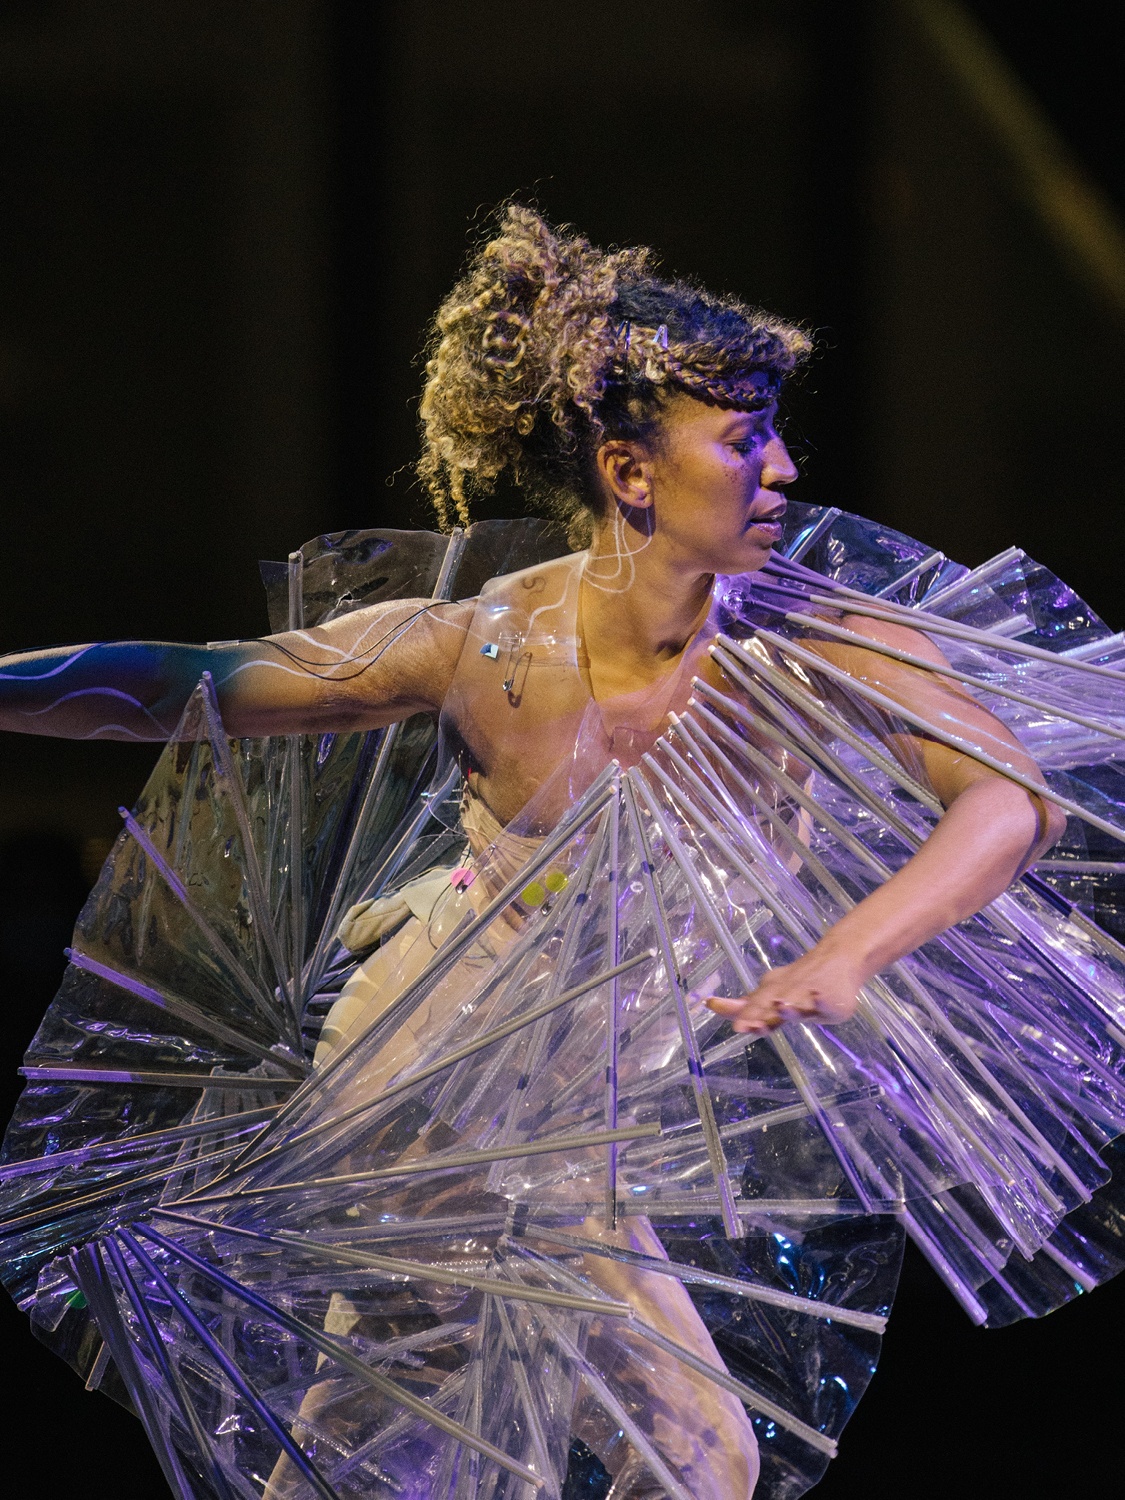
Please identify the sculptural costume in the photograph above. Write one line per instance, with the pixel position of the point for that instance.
(209, 1227)
(384, 1140)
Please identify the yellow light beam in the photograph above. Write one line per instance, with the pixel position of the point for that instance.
(1075, 211)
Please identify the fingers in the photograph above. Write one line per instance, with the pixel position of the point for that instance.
(749, 1013)
(773, 1004)
(724, 1005)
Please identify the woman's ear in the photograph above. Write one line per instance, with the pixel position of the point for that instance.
(625, 474)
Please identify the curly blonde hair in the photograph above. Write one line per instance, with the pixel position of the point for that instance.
(547, 346)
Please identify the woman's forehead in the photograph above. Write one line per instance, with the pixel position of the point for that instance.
(707, 417)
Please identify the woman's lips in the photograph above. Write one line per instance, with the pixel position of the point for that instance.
(769, 528)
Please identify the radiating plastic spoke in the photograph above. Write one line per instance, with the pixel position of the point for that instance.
(296, 811)
(458, 1054)
(834, 1130)
(371, 797)
(440, 1162)
(781, 828)
(127, 1145)
(223, 1360)
(61, 1205)
(449, 954)
(965, 1294)
(573, 932)
(951, 939)
(253, 989)
(752, 1290)
(923, 565)
(404, 845)
(175, 1005)
(935, 731)
(373, 792)
(501, 974)
(342, 1355)
(932, 624)
(706, 699)
(944, 669)
(459, 1227)
(688, 1040)
(249, 1083)
(809, 538)
(91, 1277)
(165, 1364)
(617, 1410)
(607, 1399)
(691, 730)
(255, 885)
(734, 659)
(1081, 866)
(613, 1008)
(746, 1393)
(846, 902)
(527, 1398)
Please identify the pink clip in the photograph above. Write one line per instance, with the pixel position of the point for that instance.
(461, 878)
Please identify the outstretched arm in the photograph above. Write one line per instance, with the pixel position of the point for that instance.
(361, 671)
(991, 831)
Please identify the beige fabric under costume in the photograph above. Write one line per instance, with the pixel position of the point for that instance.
(380, 979)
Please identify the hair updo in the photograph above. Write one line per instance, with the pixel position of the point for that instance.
(547, 346)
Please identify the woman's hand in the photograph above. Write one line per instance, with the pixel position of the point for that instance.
(821, 986)
(991, 831)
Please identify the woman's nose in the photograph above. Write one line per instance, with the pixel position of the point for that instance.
(778, 469)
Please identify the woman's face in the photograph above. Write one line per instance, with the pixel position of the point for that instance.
(712, 490)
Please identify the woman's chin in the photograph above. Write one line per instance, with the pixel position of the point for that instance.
(747, 557)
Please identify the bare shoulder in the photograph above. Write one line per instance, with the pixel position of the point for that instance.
(399, 653)
(872, 656)
(901, 637)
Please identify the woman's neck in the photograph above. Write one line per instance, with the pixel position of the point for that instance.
(638, 609)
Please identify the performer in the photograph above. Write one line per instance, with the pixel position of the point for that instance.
(826, 774)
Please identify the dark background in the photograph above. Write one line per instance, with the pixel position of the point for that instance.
(223, 228)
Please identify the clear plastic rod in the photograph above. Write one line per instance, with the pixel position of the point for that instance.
(633, 784)
(162, 1359)
(736, 1286)
(839, 632)
(943, 736)
(127, 1145)
(439, 1162)
(252, 870)
(931, 624)
(337, 1351)
(249, 1083)
(470, 1049)
(175, 1005)
(215, 1349)
(613, 1008)
(253, 989)
(449, 954)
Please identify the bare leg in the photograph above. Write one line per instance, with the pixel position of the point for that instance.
(702, 1430)
(286, 1481)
